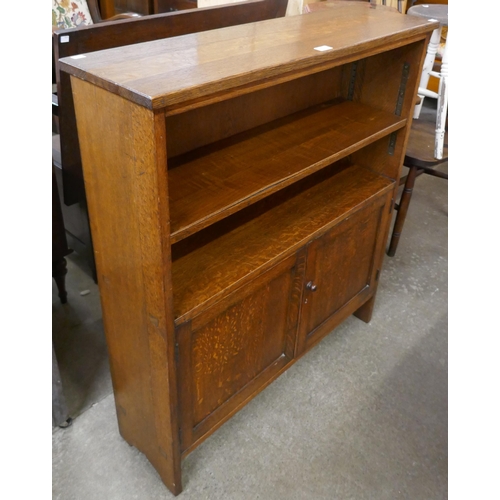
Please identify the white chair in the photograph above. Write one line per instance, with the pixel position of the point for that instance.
(436, 12)
(397, 4)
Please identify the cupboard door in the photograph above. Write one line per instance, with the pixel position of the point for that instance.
(340, 272)
(235, 348)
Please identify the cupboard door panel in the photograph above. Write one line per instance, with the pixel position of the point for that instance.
(231, 350)
(339, 269)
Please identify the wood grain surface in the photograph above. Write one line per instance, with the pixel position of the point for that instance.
(231, 351)
(166, 72)
(339, 267)
(218, 180)
(204, 274)
(129, 222)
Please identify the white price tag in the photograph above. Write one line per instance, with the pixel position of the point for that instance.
(322, 48)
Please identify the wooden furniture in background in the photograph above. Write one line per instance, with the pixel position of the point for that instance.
(400, 5)
(433, 84)
(145, 7)
(428, 142)
(439, 13)
(107, 8)
(60, 247)
(420, 159)
(411, 3)
(74, 206)
(161, 6)
(110, 8)
(100, 11)
(107, 35)
(240, 185)
(60, 414)
(313, 5)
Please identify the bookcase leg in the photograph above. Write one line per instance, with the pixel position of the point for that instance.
(364, 313)
(169, 469)
(167, 465)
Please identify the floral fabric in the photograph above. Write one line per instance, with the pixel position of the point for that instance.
(70, 13)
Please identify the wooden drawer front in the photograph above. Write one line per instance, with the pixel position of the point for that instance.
(231, 350)
(339, 268)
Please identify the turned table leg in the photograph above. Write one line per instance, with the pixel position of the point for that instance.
(59, 271)
(59, 243)
(402, 210)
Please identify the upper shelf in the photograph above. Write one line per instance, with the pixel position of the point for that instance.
(175, 71)
(215, 181)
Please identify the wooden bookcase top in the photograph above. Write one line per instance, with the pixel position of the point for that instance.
(172, 72)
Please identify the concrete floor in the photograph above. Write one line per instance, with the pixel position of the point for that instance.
(362, 416)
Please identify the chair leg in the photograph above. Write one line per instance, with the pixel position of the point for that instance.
(404, 203)
(60, 416)
(59, 271)
(430, 57)
(442, 106)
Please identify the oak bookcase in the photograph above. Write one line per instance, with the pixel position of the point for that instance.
(240, 185)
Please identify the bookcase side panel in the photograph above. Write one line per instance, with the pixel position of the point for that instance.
(124, 162)
(388, 74)
(389, 81)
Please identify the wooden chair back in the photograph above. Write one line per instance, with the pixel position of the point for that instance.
(94, 10)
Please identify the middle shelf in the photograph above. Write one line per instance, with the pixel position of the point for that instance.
(235, 250)
(215, 181)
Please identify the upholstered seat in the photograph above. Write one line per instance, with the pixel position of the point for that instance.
(67, 14)
(70, 14)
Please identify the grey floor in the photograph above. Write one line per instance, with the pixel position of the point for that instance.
(362, 416)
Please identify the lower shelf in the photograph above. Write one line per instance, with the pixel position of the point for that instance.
(255, 240)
